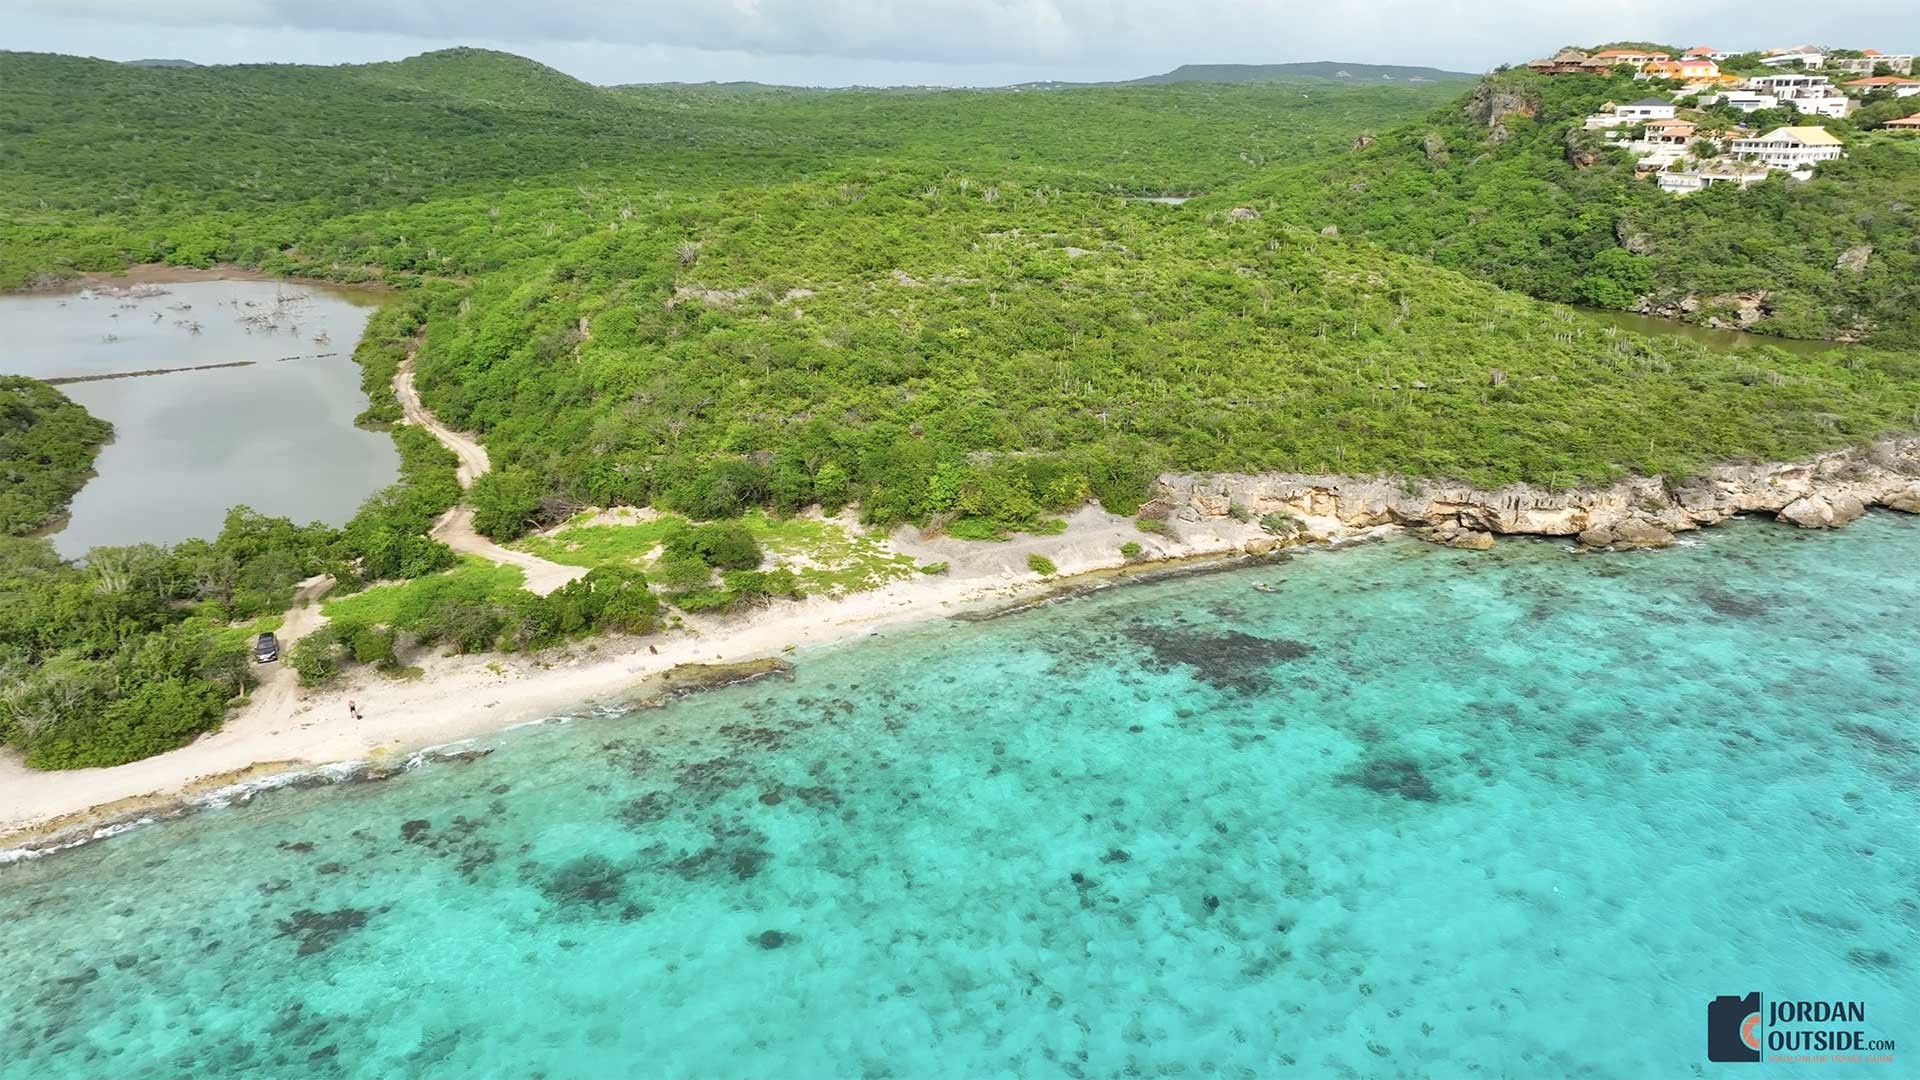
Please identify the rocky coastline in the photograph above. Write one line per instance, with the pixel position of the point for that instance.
(1826, 492)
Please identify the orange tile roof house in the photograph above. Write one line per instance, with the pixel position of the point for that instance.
(1900, 87)
(1686, 68)
(1635, 57)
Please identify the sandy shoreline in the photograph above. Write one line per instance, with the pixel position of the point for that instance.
(285, 729)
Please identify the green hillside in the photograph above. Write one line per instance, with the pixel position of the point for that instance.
(1503, 184)
(894, 327)
(105, 164)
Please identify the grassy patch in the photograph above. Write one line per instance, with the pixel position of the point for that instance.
(384, 605)
(826, 558)
(580, 544)
(242, 635)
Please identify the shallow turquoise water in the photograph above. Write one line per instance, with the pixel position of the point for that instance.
(1419, 813)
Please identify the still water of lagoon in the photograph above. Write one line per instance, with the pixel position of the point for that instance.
(275, 433)
(1717, 340)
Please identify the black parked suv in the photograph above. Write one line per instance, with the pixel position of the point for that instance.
(267, 649)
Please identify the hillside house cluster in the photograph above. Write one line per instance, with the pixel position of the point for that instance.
(1686, 157)
(1699, 67)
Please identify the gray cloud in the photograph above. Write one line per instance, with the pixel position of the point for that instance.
(975, 40)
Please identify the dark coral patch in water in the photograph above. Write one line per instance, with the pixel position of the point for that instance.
(757, 736)
(589, 881)
(1884, 742)
(817, 796)
(645, 810)
(1400, 776)
(715, 776)
(318, 931)
(1722, 602)
(1228, 660)
(737, 854)
(1872, 959)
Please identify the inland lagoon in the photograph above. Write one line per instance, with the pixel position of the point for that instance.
(1414, 813)
(220, 393)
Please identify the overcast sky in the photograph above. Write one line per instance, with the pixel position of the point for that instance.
(954, 42)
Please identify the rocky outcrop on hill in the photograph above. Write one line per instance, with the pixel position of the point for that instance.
(1490, 105)
(1827, 492)
(1728, 311)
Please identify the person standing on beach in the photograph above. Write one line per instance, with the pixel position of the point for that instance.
(353, 710)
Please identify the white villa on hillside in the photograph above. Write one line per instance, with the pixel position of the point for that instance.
(1707, 51)
(1745, 100)
(1736, 173)
(1806, 56)
(1865, 63)
(1645, 109)
(1814, 95)
(1795, 149)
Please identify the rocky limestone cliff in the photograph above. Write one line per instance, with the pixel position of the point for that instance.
(1491, 104)
(1827, 492)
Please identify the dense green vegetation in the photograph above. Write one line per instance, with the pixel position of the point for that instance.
(1533, 203)
(142, 648)
(47, 447)
(463, 161)
(930, 349)
(476, 608)
(948, 308)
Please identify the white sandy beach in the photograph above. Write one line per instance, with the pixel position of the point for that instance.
(285, 728)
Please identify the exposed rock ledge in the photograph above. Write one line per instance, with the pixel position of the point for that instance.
(1827, 492)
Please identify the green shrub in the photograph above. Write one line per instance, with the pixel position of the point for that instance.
(374, 645)
(1041, 565)
(933, 568)
(1130, 550)
(1281, 524)
(1153, 525)
(723, 545)
(975, 528)
(154, 718)
(505, 502)
(1239, 513)
(316, 657)
(682, 572)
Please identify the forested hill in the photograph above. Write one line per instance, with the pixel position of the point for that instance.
(105, 164)
(1503, 183)
(1323, 69)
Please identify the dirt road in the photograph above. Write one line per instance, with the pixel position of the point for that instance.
(455, 527)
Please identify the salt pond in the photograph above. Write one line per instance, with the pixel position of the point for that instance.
(275, 433)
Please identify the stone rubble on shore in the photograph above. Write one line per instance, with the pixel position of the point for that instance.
(1826, 492)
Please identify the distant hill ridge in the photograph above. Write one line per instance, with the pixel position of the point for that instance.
(1326, 69)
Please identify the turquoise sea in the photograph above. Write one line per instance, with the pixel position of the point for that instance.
(1417, 813)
